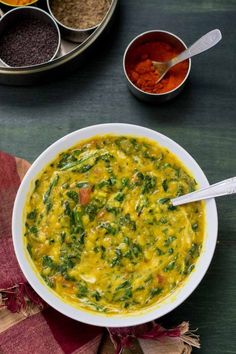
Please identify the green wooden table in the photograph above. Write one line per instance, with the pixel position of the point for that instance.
(202, 119)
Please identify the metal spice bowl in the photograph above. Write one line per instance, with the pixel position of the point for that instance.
(70, 56)
(72, 34)
(149, 36)
(27, 13)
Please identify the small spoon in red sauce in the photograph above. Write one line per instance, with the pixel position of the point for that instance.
(204, 43)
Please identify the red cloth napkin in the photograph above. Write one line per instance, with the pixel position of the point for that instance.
(9, 183)
(40, 333)
(28, 325)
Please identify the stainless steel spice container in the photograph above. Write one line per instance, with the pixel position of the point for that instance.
(69, 58)
(76, 35)
(152, 36)
(11, 17)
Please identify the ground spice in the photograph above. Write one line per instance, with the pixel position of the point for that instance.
(18, 2)
(80, 14)
(143, 74)
(28, 42)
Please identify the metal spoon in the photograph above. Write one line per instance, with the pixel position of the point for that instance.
(225, 187)
(204, 43)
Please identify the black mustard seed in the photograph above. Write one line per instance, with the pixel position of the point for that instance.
(29, 41)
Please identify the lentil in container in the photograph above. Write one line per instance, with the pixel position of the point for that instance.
(100, 227)
(80, 14)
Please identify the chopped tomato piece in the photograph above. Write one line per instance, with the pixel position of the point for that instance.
(160, 278)
(84, 195)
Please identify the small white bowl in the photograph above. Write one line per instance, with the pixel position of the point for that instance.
(94, 318)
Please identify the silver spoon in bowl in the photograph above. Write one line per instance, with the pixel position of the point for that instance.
(225, 187)
(204, 43)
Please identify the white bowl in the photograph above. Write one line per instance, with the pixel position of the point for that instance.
(94, 318)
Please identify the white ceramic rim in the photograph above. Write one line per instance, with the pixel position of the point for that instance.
(94, 318)
(150, 93)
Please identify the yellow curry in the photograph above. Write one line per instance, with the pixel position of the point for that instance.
(100, 227)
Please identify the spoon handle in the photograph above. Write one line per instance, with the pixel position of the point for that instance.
(204, 43)
(225, 187)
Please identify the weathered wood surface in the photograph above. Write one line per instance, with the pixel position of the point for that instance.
(202, 119)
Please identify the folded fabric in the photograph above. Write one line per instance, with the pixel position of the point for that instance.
(28, 325)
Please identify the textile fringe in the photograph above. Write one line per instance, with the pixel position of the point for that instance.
(123, 337)
(20, 298)
(187, 336)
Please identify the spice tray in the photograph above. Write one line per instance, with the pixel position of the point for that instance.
(70, 56)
